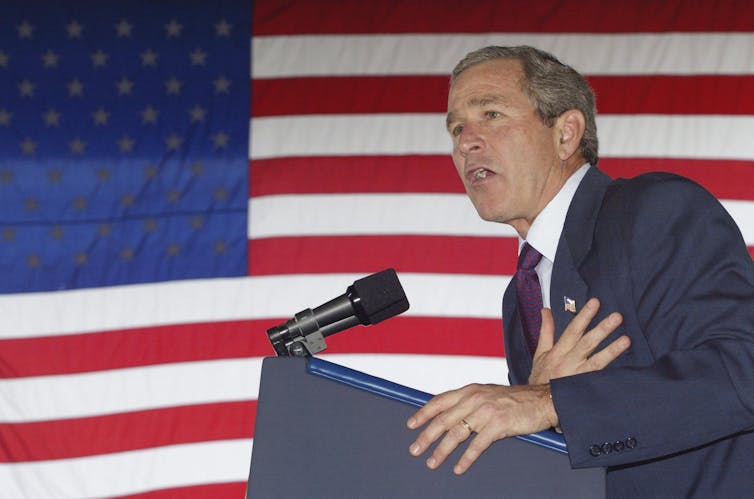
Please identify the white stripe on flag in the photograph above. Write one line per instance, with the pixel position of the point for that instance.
(591, 54)
(41, 398)
(742, 213)
(360, 214)
(205, 300)
(375, 214)
(677, 136)
(352, 134)
(129, 472)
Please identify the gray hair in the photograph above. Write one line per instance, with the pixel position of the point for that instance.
(551, 86)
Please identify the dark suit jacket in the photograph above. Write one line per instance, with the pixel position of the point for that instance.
(673, 416)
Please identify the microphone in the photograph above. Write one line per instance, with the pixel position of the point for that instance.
(369, 300)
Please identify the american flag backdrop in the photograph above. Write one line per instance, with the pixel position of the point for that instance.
(177, 177)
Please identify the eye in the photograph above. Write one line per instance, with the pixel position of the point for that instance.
(456, 130)
(493, 114)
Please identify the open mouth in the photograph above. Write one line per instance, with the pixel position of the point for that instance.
(479, 174)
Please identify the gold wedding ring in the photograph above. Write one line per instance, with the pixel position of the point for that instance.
(467, 425)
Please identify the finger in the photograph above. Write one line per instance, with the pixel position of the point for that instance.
(476, 447)
(575, 329)
(546, 333)
(434, 407)
(433, 431)
(592, 339)
(454, 410)
(455, 435)
(601, 359)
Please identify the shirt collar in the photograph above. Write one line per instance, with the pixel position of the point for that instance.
(545, 231)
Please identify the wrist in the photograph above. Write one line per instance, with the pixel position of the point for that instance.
(552, 414)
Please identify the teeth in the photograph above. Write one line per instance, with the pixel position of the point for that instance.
(480, 174)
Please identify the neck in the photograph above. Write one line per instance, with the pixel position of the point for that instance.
(569, 167)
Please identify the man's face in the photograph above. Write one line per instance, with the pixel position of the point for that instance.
(505, 155)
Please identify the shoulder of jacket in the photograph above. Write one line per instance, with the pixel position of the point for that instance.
(651, 189)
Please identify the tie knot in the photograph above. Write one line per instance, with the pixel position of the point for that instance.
(529, 257)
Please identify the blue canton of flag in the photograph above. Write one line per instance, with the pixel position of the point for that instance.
(123, 142)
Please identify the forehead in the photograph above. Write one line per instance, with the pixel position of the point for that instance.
(498, 78)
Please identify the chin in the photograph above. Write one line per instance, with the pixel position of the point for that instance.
(486, 213)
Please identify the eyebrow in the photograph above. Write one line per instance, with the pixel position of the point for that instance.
(486, 100)
(482, 101)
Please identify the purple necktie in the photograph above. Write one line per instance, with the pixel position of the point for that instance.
(529, 295)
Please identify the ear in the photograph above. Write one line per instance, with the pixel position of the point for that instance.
(570, 127)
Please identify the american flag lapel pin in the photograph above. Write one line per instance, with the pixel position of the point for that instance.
(569, 304)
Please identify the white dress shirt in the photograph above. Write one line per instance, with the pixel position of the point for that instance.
(546, 229)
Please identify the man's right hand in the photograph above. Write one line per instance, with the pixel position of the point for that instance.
(573, 352)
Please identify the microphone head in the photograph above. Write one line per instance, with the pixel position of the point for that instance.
(378, 297)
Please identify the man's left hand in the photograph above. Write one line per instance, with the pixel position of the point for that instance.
(574, 352)
(491, 411)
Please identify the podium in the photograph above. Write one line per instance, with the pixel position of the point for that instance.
(327, 431)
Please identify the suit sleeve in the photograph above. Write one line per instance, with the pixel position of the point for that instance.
(689, 296)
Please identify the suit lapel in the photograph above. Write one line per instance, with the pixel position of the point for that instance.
(574, 245)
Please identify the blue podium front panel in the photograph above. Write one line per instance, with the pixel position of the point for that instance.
(324, 431)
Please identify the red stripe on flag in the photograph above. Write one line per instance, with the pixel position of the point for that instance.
(436, 335)
(489, 16)
(349, 95)
(211, 491)
(190, 342)
(78, 353)
(673, 94)
(363, 254)
(726, 179)
(352, 174)
(75, 437)
(644, 94)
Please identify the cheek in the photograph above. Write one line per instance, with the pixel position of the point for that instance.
(458, 162)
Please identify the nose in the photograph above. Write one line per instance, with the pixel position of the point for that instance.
(470, 139)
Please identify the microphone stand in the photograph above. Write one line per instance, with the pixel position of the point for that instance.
(298, 337)
(302, 336)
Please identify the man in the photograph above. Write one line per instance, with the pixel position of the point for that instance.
(655, 381)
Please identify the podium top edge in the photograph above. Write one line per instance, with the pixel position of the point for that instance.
(379, 386)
